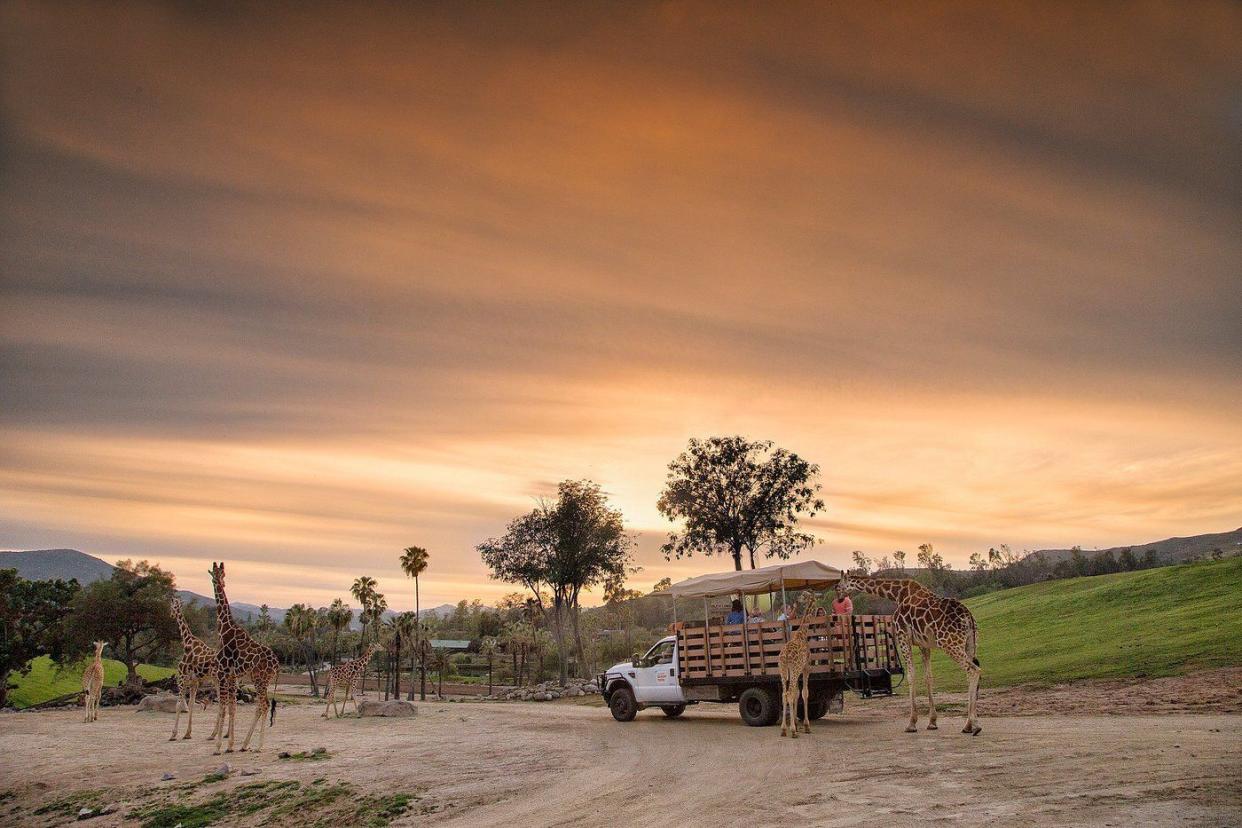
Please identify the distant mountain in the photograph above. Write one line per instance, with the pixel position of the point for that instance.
(1172, 550)
(49, 564)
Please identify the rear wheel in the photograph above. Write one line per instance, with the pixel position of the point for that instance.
(622, 704)
(674, 710)
(759, 707)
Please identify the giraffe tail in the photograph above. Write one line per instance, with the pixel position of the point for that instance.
(972, 643)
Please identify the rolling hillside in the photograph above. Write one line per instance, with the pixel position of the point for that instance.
(1155, 622)
(47, 682)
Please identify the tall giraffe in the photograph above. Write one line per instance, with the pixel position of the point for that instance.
(926, 620)
(196, 668)
(240, 656)
(794, 664)
(92, 683)
(346, 675)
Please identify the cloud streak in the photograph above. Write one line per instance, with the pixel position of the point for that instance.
(304, 288)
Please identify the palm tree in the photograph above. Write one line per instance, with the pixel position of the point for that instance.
(413, 563)
(301, 622)
(364, 592)
(339, 616)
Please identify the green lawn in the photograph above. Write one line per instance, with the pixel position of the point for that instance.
(1156, 622)
(46, 682)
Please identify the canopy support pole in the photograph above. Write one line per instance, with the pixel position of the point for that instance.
(784, 605)
(707, 635)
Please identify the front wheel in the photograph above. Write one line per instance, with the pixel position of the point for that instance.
(622, 704)
(674, 710)
(759, 707)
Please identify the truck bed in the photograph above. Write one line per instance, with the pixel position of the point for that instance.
(841, 645)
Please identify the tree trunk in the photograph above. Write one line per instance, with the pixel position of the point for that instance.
(310, 670)
(583, 667)
(4, 690)
(489, 675)
(562, 657)
(396, 668)
(422, 669)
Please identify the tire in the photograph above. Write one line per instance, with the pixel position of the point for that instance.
(819, 708)
(759, 707)
(674, 710)
(623, 705)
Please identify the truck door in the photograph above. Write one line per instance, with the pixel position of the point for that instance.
(657, 678)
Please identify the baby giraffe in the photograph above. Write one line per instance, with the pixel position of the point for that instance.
(794, 663)
(92, 683)
(346, 676)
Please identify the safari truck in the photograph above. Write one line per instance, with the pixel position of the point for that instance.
(717, 662)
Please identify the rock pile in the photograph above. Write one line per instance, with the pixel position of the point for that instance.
(392, 707)
(547, 691)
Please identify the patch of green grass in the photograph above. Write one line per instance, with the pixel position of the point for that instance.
(46, 681)
(316, 804)
(240, 801)
(70, 804)
(1156, 622)
(316, 755)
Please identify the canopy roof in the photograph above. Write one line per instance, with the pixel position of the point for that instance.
(799, 575)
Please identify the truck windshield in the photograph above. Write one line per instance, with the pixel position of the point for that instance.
(661, 653)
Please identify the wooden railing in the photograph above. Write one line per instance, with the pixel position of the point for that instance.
(839, 644)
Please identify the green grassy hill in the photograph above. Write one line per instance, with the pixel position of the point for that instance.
(46, 682)
(1155, 622)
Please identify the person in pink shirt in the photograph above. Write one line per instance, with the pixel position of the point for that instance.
(842, 605)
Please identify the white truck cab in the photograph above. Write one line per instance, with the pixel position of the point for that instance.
(650, 680)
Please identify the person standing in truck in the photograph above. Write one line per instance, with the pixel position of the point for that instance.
(737, 615)
(842, 605)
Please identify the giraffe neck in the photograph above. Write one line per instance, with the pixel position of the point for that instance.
(187, 635)
(894, 589)
(224, 615)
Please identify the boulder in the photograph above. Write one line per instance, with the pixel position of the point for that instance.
(160, 703)
(393, 707)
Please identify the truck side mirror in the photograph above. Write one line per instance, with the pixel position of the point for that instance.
(634, 659)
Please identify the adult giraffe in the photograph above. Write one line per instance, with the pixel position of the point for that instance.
(240, 656)
(926, 620)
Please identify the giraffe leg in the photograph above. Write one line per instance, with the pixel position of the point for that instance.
(973, 672)
(806, 701)
(177, 721)
(907, 658)
(222, 691)
(330, 695)
(189, 725)
(927, 676)
(784, 703)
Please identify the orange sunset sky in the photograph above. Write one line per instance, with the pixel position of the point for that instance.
(297, 286)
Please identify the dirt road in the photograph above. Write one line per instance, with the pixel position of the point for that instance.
(565, 764)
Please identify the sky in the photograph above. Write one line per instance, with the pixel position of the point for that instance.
(297, 286)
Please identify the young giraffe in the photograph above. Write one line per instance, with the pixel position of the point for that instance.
(240, 656)
(346, 675)
(926, 620)
(794, 664)
(92, 683)
(196, 668)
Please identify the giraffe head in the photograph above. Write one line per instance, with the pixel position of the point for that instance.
(99, 646)
(176, 602)
(217, 574)
(848, 584)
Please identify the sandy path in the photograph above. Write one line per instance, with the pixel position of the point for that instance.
(562, 764)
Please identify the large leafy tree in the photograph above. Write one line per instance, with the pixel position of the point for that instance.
(559, 549)
(739, 498)
(414, 560)
(130, 611)
(31, 619)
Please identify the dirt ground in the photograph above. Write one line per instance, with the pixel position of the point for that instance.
(477, 763)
